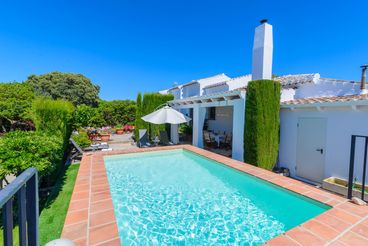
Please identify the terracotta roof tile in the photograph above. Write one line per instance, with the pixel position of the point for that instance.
(297, 79)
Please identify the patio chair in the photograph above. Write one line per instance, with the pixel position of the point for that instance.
(143, 139)
(164, 139)
(93, 147)
(207, 139)
(228, 140)
(78, 149)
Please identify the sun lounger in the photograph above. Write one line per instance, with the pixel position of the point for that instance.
(78, 150)
(93, 147)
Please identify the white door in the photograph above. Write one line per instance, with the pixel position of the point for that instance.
(311, 148)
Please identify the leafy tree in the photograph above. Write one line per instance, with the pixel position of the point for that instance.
(75, 88)
(15, 104)
(261, 135)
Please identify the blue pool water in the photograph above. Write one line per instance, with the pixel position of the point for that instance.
(178, 197)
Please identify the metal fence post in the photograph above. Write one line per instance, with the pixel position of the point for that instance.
(351, 167)
(32, 211)
(364, 167)
(8, 222)
(21, 195)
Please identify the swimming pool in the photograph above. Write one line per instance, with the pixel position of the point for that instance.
(178, 197)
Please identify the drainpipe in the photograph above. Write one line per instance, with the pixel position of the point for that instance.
(363, 80)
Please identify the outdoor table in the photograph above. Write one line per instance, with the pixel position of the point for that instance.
(218, 138)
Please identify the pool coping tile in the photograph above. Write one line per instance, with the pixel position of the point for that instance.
(345, 223)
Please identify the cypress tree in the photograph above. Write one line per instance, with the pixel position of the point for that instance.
(138, 116)
(261, 134)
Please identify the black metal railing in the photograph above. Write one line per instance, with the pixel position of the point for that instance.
(25, 189)
(351, 166)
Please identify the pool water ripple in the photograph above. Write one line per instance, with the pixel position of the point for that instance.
(175, 197)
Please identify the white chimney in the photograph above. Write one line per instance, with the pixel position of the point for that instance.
(262, 52)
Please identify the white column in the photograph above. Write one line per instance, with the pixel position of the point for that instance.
(199, 114)
(174, 134)
(238, 129)
(262, 52)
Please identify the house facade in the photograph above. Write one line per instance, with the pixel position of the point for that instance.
(317, 118)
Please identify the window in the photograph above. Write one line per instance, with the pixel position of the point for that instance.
(212, 113)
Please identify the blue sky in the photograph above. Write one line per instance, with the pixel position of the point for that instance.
(131, 46)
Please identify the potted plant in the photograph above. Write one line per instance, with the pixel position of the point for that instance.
(128, 128)
(340, 186)
(105, 133)
(119, 129)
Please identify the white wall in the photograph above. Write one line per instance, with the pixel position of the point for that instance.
(238, 129)
(341, 124)
(199, 113)
(287, 94)
(215, 89)
(191, 90)
(176, 93)
(326, 87)
(224, 120)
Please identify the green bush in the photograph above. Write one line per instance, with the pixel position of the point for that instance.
(86, 116)
(53, 117)
(82, 139)
(117, 112)
(261, 135)
(185, 129)
(20, 150)
(108, 113)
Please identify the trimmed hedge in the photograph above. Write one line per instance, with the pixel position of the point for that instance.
(261, 135)
(117, 112)
(138, 115)
(53, 117)
(150, 102)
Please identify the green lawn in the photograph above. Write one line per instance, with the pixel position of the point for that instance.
(53, 213)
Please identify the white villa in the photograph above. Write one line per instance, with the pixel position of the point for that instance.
(318, 115)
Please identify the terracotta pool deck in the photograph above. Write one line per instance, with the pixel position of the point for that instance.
(91, 221)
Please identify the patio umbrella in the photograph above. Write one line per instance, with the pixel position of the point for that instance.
(166, 115)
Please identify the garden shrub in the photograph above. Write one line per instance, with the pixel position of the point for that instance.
(53, 117)
(261, 135)
(20, 150)
(108, 113)
(87, 116)
(117, 112)
(82, 139)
